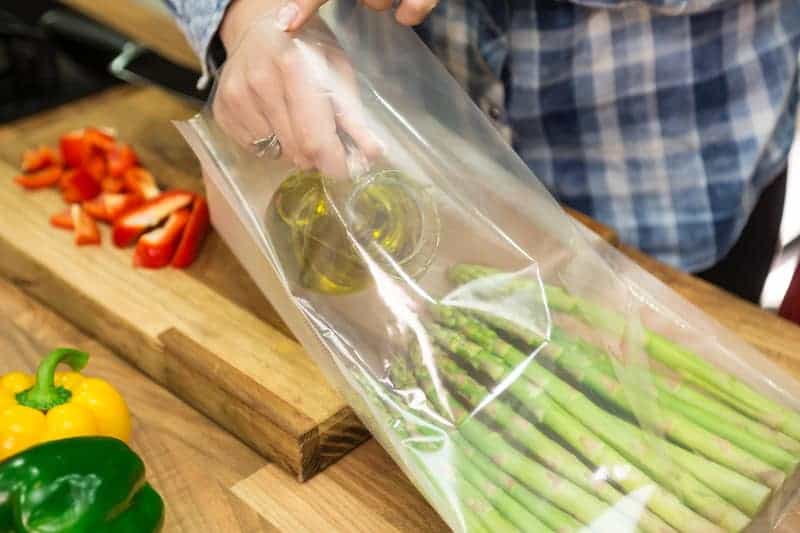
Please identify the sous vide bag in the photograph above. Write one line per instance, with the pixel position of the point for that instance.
(524, 374)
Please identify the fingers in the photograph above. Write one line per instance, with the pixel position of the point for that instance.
(313, 117)
(235, 110)
(266, 90)
(412, 12)
(349, 111)
(294, 14)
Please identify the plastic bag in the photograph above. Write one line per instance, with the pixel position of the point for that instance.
(524, 374)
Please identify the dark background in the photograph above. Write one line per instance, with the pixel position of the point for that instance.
(40, 70)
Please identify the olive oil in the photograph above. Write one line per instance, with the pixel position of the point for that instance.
(391, 220)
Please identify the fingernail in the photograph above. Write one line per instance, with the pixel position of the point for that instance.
(286, 16)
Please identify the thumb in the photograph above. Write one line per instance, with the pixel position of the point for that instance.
(294, 14)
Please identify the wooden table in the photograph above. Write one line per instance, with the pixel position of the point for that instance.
(213, 482)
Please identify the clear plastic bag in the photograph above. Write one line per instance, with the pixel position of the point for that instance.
(524, 374)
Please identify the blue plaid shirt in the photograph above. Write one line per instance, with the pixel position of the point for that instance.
(664, 119)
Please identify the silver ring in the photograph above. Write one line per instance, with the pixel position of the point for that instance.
(268, 146)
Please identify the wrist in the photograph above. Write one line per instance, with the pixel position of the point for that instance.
(239, 16)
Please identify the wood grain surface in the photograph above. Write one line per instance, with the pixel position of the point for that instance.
(211, 482)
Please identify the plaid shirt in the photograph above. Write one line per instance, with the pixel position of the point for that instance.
(661, 118)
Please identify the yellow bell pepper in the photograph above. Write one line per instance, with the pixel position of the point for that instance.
(58, 405)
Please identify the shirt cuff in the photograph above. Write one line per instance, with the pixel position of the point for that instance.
(201, 28)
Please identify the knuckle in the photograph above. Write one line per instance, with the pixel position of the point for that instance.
(311, 147)
(288, 60)
(259, 80)
(233, 92)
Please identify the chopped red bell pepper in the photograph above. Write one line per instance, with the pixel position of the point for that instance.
(119, 204)
(96, 207)
(79, 186)
(196, 229)
(72, 151)
(86, 230)
(156, 248)
(136, 221)
(112, 184)
(103, 139)
(38, 158)
(141, 182)
(96, 166)
(110, 206)
(46, 177)
(121, 159)
(63, 220)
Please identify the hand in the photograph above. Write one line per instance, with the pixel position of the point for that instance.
(409, 12)
(303, 91)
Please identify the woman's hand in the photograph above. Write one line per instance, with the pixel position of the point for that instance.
(302, 92)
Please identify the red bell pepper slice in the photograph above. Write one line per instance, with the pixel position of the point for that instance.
(72, 151)
(119, 204)
(121, 159)
(38, 158)
(86, 230)
(141, 182)
(63, 220)
(112, 184)
(103, 139)
(110, 206)
(79, 186)
(196, 229)
(156, 248)
(96, 166)
(47, 177)
(96, 208)
(136, 221)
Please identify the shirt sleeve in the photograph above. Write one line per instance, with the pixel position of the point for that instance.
(199, 20)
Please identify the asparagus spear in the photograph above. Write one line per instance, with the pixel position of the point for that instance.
(555, 518)
(476, 510)
(627, 438)
(549, 453)
(477, 502)
(717, 382)
(540, 507)
(508, 506)
(706, 411)
(746, 494)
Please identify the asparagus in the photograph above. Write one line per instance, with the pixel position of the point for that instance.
(685, 423)
(627, 438)
(477, 493)
(540, 507)
(549, 453)
(508, 506)
(707, 411)
(598, 453)
(478, 502)
(718, 383)
(746, 494)
(553, 517)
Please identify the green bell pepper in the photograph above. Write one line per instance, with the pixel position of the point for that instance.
(78, 485)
